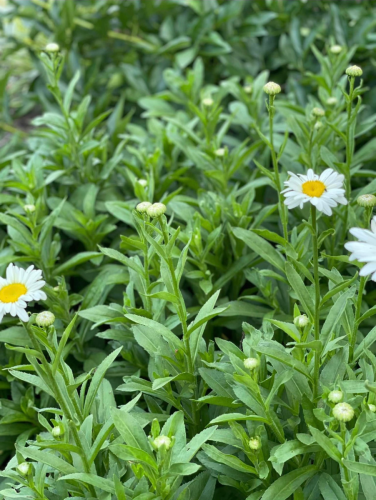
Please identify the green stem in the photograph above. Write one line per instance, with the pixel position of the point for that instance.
(358, 308)
(347, 488)
(282, 208)
(317, 301)
(183, 320)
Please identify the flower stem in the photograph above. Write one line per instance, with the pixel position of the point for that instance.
(317, 301)
(358, 307)
(282, 210)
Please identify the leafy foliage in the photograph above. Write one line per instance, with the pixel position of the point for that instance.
(140, 390)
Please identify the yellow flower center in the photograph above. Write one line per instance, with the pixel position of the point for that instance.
(11, 293)
(314, 189)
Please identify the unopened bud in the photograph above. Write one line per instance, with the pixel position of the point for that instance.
(24, 468)
(29, 209)
(156, 210)
(304, 31)
(331, 101)
(56, 431)
(162, 442)
(366, 200)
(247, 89)
(255, 443)
(220, 152)
(143, 182)
(301, 321)
(372, 408)
(52, 47)
(318, 112)
(354, 71)
(44, 319)
(317, 125)
(143, 207)
(335, 396)
(208, 101)
(336, 49)
(272, 88)
(343, 412)
(251, 363)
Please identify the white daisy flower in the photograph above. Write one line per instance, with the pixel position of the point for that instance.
(19, 287)
(324, 191)
(364, 250)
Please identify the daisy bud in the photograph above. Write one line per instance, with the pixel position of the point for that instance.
(29, 209)
(343, 412)
(366, 200)
(336, 49)
(45, 319)
(304, 31)
(56, 431)
(354, 71)
(247, 89)
(156, 210)
(162, 442)
(24, 468)
(52, 47)
(318, 112)
(143, 207)
(331, 101)
(317, 125)
(208, 101)
(335, 396)
(255, 443)
(143, 182)
(301, 321)
(272, 88)
(251, 363)
(372, 408)
(220, 152)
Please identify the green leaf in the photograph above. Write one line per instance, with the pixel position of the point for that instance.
(158, 327)
(326, 444)
(286, 485)
(47, 458)
(234, 417)
(130, 430)
(261, 247)
(93, 479)
(229, 460)
(114, 254)
(300, 289)
(15, 335)
(360, 468)
(134, 454)
(288, 328)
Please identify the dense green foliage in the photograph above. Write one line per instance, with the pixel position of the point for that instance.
(140, 389)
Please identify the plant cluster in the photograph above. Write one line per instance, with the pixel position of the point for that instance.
(187, 252)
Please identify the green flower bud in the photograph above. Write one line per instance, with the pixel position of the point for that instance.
(272, 88)
(335, 396)
(208, 101)
(336, 49)
(220, 152)
(24, 468)
(29, 209)
(301, 321)
(343, 412)
(156, 210)
(57, 431)
(331, 101)
(143, 207)
(354, 71)
(52, 47)
(45, 319)
(143, 182)
(162, 442)
(372, 408)
(255, 443)
(318, 112)
(251, 363)
(366, 200)
(247, 89)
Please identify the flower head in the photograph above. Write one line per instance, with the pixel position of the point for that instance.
(52, 47)
(251, 363)
(301, 321)
(247, 89)
(366, 200)
(220, 152)
(335, 396)
(29, 209)
(304, 31)
(255, 443)
(156, 210)
(143, 207)
(354, 71)
(372, 408)
(57, 431)
(19, 287)
(162, 442)
(272, 88)
(45, 319)
(324, 191)
(364, 250)
(343, 412)
(318, 112)
(143, 182)
(336, 49)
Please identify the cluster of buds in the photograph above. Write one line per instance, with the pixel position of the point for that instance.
(154, 210)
